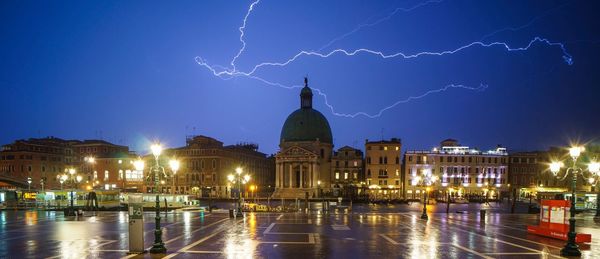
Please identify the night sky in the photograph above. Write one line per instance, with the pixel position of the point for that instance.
(127, 71)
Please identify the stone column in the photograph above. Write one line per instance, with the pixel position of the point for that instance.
(280, 174)
(312, 175)
(301, 177)
(315, 175)
(277, 170)
(290, 174)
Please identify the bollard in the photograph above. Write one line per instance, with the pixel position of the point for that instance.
(482, 214)
(230, 213)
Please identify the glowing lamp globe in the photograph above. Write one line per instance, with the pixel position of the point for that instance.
(156, 149)
(594, 167)
(555, 167)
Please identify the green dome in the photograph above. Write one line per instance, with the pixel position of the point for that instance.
(306, 124)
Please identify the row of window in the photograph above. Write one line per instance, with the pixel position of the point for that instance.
(455, 159)
(354, 163)
(354, 175)
(383, 182)
(199, 164)
(385, 148)
(30, 157)
(382, 172)
(383, 160)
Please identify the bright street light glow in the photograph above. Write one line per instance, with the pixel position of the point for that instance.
(174, 164)
(230, 178)
(594, 167)
(139, 164)
(555, 167)
(156, 149)
(239, 170)
(575, 151)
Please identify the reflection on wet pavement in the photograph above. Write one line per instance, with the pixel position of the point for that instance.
(39, 234)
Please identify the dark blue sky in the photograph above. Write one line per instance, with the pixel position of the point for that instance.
(126, 70)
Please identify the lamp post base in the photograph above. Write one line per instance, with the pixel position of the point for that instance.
(570, 249)
(158, 248)
(239, 213)
(424, 216)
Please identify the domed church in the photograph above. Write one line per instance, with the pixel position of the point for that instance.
(305, 149)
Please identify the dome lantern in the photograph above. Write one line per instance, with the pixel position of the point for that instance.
(306, 96)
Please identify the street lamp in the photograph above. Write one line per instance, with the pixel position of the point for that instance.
(594, 168)
(92, 161)
(174, 164)
(427, 179)
(571, 248)
(157, 171)
(122, 174)
(239, 179)
(62, 178)
(73, 179)
(320, 196)
(28, 183)
(253, 190)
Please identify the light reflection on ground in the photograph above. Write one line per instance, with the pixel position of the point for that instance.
(191, 234)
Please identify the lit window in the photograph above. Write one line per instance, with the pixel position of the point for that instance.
(384, 148)
(346, 175)
(397, 148)
(106, 175)
(337, 175)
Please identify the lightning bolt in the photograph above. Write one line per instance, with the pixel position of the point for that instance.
(241, 29)
(228, 73)
(410, 98)
(370, 24)
(532, 21)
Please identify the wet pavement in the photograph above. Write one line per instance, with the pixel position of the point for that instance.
(358, 234)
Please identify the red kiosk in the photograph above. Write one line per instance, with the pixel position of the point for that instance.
(554, 221)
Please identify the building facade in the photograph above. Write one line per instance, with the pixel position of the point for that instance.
(383, 168)
(531, 178)
(205, 164)
(347, 172)
(303, 163)
(458, 170)
(44, 160)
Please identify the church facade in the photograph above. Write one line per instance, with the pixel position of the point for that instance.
(303, 163)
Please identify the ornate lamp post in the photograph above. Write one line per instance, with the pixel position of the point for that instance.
(92, 161)
(122, 173)
(28, 183)
(174, 164)
(571, 248)
(427, 179)
(62, 179)
(239, 179)
(157, 171)
(73, 179)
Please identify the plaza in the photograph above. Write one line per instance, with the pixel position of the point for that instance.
(360, 233)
